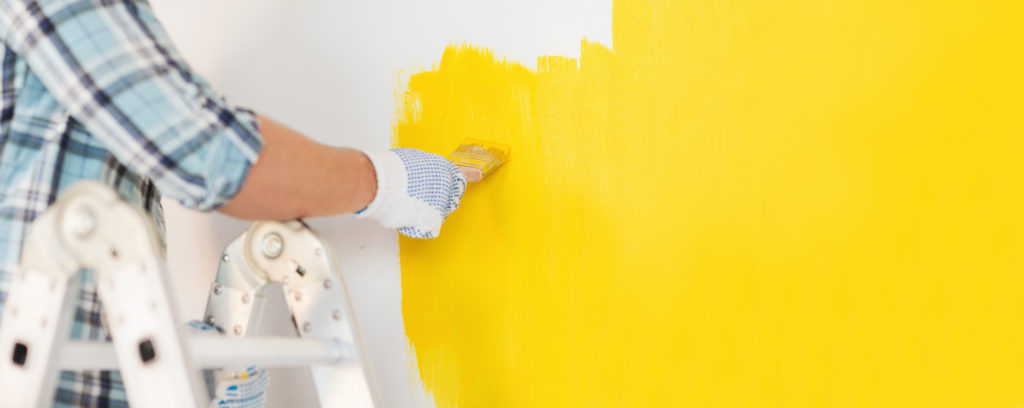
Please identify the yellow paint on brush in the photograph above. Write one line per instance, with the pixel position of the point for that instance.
(480, 156)
(781, 203)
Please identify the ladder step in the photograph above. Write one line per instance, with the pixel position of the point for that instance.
(217, 352)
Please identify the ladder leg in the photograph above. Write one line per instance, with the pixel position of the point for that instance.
(36, 325)
(155, 364)
(321, 310)
(237, 295)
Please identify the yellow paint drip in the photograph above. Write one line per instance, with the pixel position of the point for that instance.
(783, 203)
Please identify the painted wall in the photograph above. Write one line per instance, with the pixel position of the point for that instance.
(743, 203)
(328, 68)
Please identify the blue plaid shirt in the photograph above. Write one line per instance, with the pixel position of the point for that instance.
(94, 89)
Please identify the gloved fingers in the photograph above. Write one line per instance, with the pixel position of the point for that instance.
(416, 191)
(458, 188)
(413, 232)
(242, 390)
(252, 380)
(254, 401)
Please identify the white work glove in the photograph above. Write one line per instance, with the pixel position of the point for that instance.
(233, 387)
(416, 191)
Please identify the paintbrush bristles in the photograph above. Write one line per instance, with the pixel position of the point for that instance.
(478, 158)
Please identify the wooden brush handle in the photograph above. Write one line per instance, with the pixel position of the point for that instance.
(472, 174)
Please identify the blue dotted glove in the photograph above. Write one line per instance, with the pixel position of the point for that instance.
(416, 191)
(240, 388)
(232, 387)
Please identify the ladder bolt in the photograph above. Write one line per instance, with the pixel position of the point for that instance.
(245, 298)
(336, 315)
(83, 223)
(298, 296)
(328, 284)
(238, 330)
(226, 258)
(306, 327)
(273, 245)
(217, 289)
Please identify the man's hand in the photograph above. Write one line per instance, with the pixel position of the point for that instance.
(416, 191)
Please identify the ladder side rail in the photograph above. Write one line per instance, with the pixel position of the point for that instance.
(237, 295)
(37, 318)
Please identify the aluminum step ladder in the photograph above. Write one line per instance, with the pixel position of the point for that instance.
(90, 227)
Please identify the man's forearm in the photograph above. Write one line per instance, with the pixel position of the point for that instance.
(297, 177)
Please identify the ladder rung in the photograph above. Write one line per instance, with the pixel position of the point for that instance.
(216, 352)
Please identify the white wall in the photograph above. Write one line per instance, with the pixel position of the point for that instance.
(328, 68)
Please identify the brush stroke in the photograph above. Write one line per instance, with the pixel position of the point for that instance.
(786, 203)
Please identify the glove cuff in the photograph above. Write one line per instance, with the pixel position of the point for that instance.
(392, 179)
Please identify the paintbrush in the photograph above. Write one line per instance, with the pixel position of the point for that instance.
(478, 158)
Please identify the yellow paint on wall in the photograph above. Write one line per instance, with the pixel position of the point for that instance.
(784, 203)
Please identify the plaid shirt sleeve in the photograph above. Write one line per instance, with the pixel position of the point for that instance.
(112, 66)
